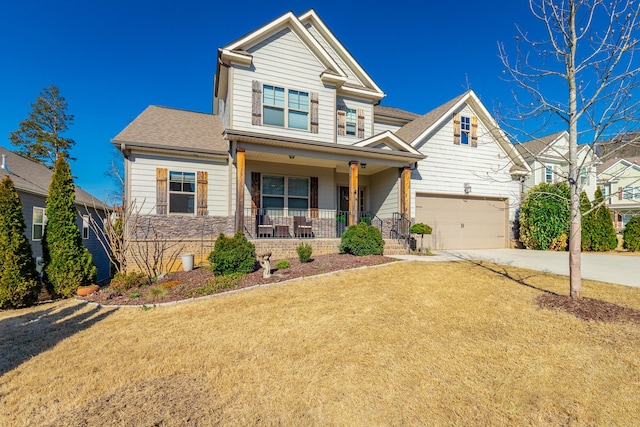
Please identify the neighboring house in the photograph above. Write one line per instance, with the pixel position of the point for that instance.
(32, 182)
(620, 183)
(300, 147)
(548, 158)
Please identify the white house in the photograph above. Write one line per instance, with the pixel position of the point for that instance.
(620, 183)
(299, 146)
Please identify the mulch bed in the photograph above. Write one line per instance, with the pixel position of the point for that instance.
(589, 309)
(183, 283)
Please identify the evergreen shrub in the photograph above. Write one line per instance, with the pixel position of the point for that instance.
(232, 255)
(631, 234)
(361, 240)
(304, 252)
(544, 217)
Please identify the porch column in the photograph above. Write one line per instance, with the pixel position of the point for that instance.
(239, 190)
(405, 195)
(353, 193)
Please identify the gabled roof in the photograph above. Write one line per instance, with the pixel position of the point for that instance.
(417, 130)
(384, 112)
(389, 139)
(611, 163)
(35, 178)
(235, 53)
(176, 130)
(535, 147)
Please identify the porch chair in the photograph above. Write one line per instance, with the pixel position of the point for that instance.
(302, 227)
(264, 226)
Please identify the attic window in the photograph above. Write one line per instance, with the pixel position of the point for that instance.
(465, 130)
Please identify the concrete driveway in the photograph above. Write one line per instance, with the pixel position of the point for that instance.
(618, 269)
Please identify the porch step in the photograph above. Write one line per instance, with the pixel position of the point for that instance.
(393, 247)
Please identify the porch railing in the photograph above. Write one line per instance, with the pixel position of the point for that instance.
(303, 224)
(400, 226)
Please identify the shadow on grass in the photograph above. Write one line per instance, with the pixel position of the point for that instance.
(25, 336)
(494, 266)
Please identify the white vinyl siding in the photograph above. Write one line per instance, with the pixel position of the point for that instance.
(143, 180)
(384, 197)
(343, 66)
(283, 60)
(448, 167)
(380, 126)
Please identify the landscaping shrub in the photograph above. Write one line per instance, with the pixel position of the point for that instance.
(602, 233)
(304, 252)
(544, 217)
(19, 284)
(217, 284)
(362, 239)
(587, 221)
(233, 255)
(631, 234)
(283, 263)
(421, 229)
(68, 264)
(122, 282)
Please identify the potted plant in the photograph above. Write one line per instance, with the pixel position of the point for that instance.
(420, 229)
(366, 219)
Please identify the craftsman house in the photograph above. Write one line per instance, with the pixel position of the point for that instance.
(300, 147)
(32, 182)
(620, 183)
(548, 159)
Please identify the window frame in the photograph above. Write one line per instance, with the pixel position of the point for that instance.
(286, 108)
(347, 122)
(182, 192)
(465, 130)
(285, 195)
(628, 193)
(34, 223)
(85, 226)
(548, 174)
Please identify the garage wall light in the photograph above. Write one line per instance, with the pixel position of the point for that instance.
(467, 188)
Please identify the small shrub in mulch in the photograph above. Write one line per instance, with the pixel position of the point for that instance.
(589, 308)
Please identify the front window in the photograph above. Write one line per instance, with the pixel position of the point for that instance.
(548, 174)
(85, 226)
(280, 192)
(182, 192)
(627, 193)
(465, 130)
(351, 121)
(285, 108)
(38, 222)
(583, 176)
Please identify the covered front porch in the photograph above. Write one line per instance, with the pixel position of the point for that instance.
(305, 190)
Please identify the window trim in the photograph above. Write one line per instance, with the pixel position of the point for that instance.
(548, 174)
(465, 130)
(347, 110)
(285, 196)
(34, 223)
(85, 226)
(286, 108)
(170, 192)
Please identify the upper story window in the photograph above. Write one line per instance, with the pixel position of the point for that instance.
(583, 176)
(465, 130)
(351, 120)
(285, 108)
(548, 174)
(38, 222)
(629, 193)
(182, 192)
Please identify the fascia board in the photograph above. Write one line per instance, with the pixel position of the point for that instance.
(360, 93)
(390, 137)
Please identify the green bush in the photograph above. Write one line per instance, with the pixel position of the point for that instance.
(304, 252)
(19, 285)
(599, 226)
(232, 255)
(68, 264)
(544, 217)
(122, 282)
(217, 284)
(282, 264)
(362, 239)
(631, 234)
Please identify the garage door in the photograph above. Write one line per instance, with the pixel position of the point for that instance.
(463, 222)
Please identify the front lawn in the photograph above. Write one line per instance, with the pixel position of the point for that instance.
(407, 343)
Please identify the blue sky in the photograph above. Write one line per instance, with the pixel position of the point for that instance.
(112, 58)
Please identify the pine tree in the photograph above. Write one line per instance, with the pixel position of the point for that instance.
(604, 238)
(587, 221)
(68, 264)
(19, 285)
(39, 136)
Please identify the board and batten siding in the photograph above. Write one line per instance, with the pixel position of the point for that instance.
(283, 60)
(143, 180)
(358, 105)
(326, 180)
(334, 55)
(448, 166)
(385, 193)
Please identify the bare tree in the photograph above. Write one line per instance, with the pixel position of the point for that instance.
(583, 72)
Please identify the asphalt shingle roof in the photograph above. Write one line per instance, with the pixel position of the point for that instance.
(163, 127)
(395, 113)
(535, 146)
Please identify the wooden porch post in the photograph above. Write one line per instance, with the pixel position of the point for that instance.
(353, 193)
(239, 190)
(405, 195)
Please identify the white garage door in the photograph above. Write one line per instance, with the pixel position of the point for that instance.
(463, 222)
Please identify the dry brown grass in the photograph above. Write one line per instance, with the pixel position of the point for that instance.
(407, 343)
